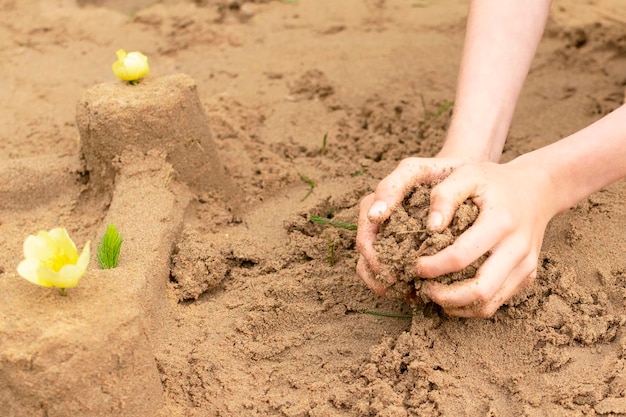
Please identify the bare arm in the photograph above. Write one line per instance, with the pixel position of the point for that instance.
(585, 161)
(516, 199)
(500, 42)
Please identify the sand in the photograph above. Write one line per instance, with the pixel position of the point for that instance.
(404, 237)
(228, 300)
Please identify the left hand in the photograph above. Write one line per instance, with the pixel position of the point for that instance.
(375, 208)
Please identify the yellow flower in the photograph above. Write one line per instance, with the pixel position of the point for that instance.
(130, 66)
(52, 259)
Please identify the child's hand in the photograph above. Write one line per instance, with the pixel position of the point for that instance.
(515, 207)
(377, 207)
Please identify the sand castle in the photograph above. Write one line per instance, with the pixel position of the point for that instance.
(146, 149)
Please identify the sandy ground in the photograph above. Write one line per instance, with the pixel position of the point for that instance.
(259, 311)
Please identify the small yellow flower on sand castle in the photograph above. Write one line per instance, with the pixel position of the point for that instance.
(52, 260)
(130, 66)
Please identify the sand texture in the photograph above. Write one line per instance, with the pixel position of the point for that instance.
(257, 116)
(404, 237)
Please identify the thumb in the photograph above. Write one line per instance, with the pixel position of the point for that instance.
(391, 190)
(388, 194)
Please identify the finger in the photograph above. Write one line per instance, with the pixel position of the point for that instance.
(392, 189)
(489, 309)
(489, 279)
(448, 195)
(366, 235)
(366, 275)
(481, 237)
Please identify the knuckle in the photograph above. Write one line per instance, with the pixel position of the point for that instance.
(505, 221)
(487, 310)
(403, 164)
(407, 163)
(529, 266)
(360, 246)
(435, 192)
(483, 293)
(366, 201)
(458, 257)
(439, 195)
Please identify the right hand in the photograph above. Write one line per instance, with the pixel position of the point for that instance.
(516, 202)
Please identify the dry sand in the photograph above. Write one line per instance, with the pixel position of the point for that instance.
(232, 303)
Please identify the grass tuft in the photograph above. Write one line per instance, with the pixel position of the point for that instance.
(109, 248)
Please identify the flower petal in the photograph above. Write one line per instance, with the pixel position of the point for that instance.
(121, 54)
(48, 277)
(28, 269)
(83, 259)
(52, 259)
(130, 66)
(68, 276)
(64, 244)
(38, 247)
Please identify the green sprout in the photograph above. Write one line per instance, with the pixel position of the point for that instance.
(109, 248)
(383, 314)
(359, 173)
(311, 184)
(334, 223)
(442, 109)
(330, 252)
(324, 143)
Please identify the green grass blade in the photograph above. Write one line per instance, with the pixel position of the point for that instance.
(334, 223)
(109, 248)
(382, 314)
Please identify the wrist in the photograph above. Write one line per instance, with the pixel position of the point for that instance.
(476, 139)
(582, 163)
(465, 154)
(471, 148)
(551, 194)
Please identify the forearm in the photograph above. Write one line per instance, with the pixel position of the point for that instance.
(501, 40)
(581, 164)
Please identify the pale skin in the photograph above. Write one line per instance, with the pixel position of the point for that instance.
(516, 199)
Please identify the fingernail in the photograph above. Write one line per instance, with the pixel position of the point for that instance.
(435, 220)
(377, 210)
